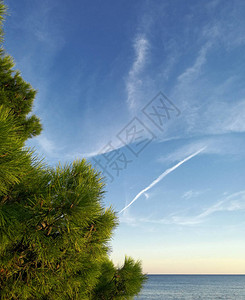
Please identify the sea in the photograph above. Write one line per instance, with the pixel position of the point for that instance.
(193, 287)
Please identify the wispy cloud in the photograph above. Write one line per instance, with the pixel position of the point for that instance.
(38, 24)
(234, 202)
(186, 150)
(134, 82)
(99, 149)
(46, 144)
(231, 203)
(214, 144)
(191, 194)
(218, 117)
(235, 121)
(228, 29)
(193, 72)
(164, 174)
(213, 107)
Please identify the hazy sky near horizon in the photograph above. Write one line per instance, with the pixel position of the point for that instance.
(152, 93)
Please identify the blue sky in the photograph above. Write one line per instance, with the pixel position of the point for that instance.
(140, 88)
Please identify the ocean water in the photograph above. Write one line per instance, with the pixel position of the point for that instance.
(193, 287)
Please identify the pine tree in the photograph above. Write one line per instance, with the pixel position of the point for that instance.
(15, 93)
(14, 161)
(54, 229)
(119, 283)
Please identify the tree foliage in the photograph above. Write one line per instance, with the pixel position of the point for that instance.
(54, 229)
(119, 283)
(14, 160)
(15, 93)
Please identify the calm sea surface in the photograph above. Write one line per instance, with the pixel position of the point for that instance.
(193, 287)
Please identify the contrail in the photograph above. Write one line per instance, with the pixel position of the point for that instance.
(161, 177)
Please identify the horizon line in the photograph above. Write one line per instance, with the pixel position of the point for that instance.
(208, 274)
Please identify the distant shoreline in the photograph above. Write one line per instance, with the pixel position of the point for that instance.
(151, 274)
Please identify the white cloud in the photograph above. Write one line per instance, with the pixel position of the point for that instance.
(235, 121)
(38, 24)
(46, 144)
(218, 117)
(191, 194)
(230, 203)
(134, 81)
(101, 148)
(233, 202)
(214, 144)
(164, 174)
(227, 31)
(209, 108)
(193, 72)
